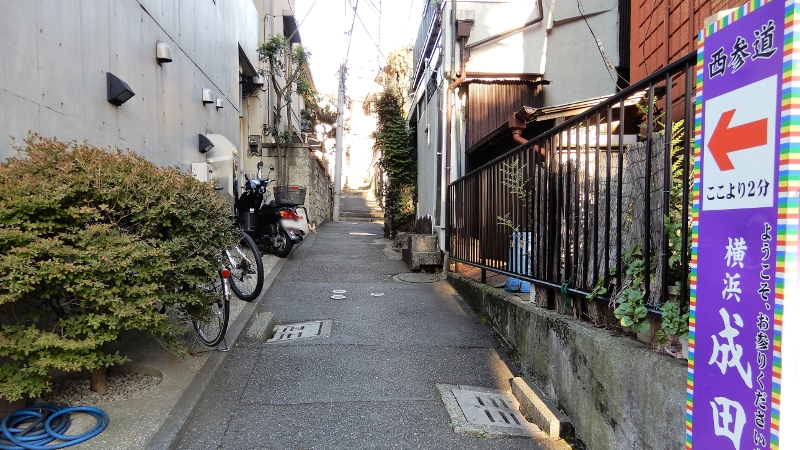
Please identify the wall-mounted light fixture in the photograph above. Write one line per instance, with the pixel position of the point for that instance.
(205, 144)
(208, 96)
(118, 91)
(219, 103)
(163, 52)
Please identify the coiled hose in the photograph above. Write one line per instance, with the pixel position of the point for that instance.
(45, 423)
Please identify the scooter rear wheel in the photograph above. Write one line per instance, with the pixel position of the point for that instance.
(283, 245)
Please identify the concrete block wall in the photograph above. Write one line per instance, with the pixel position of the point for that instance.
(304, 170)
(619, 394)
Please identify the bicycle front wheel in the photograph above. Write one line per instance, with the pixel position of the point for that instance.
(247, 269)
(211, 329)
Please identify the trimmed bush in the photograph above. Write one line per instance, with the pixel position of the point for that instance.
(94, 242)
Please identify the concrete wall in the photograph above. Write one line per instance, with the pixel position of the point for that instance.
(56, 55)
(619, 394)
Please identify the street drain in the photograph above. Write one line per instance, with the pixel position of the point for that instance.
(485, 412)
(301, 331)
(489, 409)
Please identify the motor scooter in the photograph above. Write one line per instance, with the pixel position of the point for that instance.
(268, 223)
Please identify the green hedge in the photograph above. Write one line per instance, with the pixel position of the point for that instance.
(106, 236)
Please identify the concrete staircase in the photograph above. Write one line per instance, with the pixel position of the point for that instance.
(358, 205)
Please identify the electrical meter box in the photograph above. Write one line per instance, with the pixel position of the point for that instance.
(202, 172)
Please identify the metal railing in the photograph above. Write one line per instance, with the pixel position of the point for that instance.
(593, 202)
(424, 42)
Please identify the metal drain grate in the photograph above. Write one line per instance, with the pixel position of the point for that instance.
(301, 331)
(489, 409)
(297, 331)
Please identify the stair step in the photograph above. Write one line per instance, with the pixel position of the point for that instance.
(364, 214)
(360, 219)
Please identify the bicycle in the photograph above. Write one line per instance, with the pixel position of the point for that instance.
(211, 329)
(247, 268)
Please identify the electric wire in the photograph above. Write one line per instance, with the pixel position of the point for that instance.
(600, 49)
(303, 20)
(370, 36)
(350, 34)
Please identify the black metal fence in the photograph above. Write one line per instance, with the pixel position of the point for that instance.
(596, 204)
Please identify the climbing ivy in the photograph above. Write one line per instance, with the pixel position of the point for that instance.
(398, 161)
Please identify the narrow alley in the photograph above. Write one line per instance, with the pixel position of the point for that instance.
(372, 383)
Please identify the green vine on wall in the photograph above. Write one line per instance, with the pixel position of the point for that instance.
(398, 160)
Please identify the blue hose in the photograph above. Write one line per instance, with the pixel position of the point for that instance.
(45, 424)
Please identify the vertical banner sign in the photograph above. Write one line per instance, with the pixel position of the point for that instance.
(739, 251)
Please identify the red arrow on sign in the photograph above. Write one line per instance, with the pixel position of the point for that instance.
(725, 140)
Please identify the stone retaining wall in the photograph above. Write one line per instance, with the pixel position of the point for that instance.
(619, 394)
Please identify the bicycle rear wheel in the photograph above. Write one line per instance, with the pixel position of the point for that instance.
(211, 329)
(247, 269)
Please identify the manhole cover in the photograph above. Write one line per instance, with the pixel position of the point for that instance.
(417, 277)
(489, 409)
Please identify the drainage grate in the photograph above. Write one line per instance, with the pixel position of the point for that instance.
(299, 331)
(485, 412)
(489, 409)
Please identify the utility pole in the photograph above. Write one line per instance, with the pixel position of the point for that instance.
(337, 175)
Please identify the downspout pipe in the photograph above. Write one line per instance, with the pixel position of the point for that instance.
(450, 89)
(509, 32)
(518, 121)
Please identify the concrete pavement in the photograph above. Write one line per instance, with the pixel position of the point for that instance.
(371, 383)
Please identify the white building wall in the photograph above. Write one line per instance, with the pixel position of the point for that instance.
(56, 55)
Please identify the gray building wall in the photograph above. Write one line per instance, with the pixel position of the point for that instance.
(429, 144)
(574, 65)
(56, 55)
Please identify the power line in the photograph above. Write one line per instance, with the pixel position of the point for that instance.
(606, 62)
(350, 35)
(304, 19)
(370, 36)
(372, 5)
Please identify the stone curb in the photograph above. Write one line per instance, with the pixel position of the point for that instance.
(262, 327)
(539, 410)
(171, 431)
